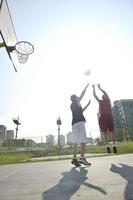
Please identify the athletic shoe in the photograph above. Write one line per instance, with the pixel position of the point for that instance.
(114, 149)
(75, 162)
(84, 161)
(108, 150)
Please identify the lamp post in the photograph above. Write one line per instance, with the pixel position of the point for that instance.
(59, 123)
(16, 121)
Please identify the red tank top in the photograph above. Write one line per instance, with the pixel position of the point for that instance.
(104, 107)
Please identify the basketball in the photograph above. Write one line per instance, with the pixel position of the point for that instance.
(87, 72)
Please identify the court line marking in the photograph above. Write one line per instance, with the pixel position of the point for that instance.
(13, 173)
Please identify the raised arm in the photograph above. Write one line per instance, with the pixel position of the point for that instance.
(94, 93)
(86, 105)
(103, 91)
(83, 92)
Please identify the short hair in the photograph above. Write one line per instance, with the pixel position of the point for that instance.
(73, 97)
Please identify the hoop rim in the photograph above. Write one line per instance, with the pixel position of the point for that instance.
(20, 42)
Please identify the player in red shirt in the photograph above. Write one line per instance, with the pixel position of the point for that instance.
(106, 122)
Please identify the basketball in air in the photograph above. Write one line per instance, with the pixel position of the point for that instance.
(87, 72)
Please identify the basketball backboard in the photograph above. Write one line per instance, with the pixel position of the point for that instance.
(7, 31)
(18, 52)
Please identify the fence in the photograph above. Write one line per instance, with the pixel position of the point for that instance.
(37, 143)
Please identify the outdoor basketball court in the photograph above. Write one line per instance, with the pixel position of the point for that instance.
(17, 51)
(108, 178)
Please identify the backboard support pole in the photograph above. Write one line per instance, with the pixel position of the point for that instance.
(10, 48)
(2, 44)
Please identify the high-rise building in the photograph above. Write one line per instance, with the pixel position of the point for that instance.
(2, 133)
(123, 119)
(9, 134)
(69, 137)
(50, 140)
(62, 140)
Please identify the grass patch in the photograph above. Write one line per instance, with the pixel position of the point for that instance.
(7, 158)
(95, 149)
(19, 157)
(123, 148)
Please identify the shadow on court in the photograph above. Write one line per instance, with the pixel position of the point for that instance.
(69, 184)
(127, 173)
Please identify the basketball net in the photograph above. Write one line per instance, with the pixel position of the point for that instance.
(22, 58)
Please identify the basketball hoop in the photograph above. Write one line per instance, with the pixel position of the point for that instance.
(23, 50)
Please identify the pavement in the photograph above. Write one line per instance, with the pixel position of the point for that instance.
(109, 178)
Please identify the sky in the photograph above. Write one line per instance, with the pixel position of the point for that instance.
(69, 37)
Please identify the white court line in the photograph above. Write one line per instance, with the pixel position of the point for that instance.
(13, 173)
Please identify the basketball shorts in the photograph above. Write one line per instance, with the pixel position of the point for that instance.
(106, 123)
(79, 133)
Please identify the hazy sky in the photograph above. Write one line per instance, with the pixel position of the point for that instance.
(69, 37)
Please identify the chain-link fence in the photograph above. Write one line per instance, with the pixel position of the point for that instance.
(35, 146)
(24, 144)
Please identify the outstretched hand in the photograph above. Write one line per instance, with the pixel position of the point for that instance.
(86, 105)
(83, 92)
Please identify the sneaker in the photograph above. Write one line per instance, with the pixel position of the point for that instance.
(114, 149)
(84, 161)
(108, 150)
(75, 162)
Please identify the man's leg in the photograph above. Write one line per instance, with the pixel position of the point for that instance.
(82, 159)
(106, 135)
(104, 129)
(75, 160)
(75, 150)
(113, 140)
(105, 138)
(111, 129)
(113, 137)
(83, 146)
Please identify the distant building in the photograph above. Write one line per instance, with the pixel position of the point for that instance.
(62, 140)
(68, 137)
(123, 119)
(2, 133)
(9, 134)
(50, 140)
